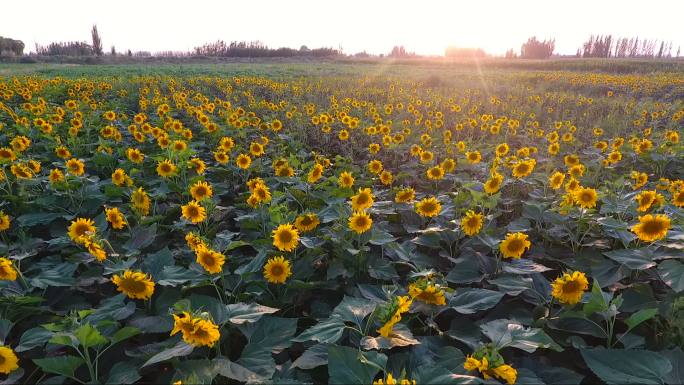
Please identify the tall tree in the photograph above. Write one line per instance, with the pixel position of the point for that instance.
(97, 42)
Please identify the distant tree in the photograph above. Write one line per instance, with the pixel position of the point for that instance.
(678, 50)
(113, 51)
(129, 53)
(398, 51)
(304, 48)
(97, 42)
(11, 47)
(511, 54)
(535, 49)
(71, 48)
(455, 52)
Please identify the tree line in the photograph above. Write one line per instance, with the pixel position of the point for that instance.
(606, 46)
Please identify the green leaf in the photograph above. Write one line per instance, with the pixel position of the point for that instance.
(350, 366)
(380, 237)
(618, 366)
(504, 333)
(327, 331)
(123, 373)
(240, 313)
(32, 219)
(64, 365)
(235, 371)
(124, 333)
(154, 263)
(142, 237)
(470, 300)
(641, 316)
(33, 338)
(66, 339)
(312, 357)
(676, 375)
(88, 336)
(636, 259)
(672, 273)
(268, 335)
(597, 301)
(354, 309)
(179, 350)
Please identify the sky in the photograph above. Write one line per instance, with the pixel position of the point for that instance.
(423, 26)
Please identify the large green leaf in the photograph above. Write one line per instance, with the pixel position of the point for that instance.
(470, 300)
(64, 365)
(617, 366)
(313, 357)
(34, 338)
(351, 366)
(637, 259)
(268, 335)
(123, 373)
(179, 350)
(88, 336)
(327, 331)
(235, 371)
(354, 309)
(240, 313)
(672, 273)
(504, 333)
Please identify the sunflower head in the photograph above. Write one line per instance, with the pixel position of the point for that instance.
(652, 227)
(569, 287)
(471, 223)
(134, 284)
(360, 222)
(285, 237)
(429, 207)
(277, 270)
(514, 245)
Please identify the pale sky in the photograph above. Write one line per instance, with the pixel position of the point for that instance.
(423, 26)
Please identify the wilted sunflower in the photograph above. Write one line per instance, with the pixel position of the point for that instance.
(277, 270)
(212, 261)
(7, 270)
(652, 227)
(194, 212)
(428, 207)
(8, 360)
(569, 287)
(585, 197)
(306, 222)
(81, 229)
(362, 200)
(201, 190)
(514, 245)
(360, 222)
(166, 168)
(134, 284)
(285, 237)
(471, 223)
(345, 180)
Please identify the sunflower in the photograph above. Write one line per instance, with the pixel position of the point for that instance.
(585, 197)
(652, 227)
(75, 167)
(315, 174)
(506, 373)
(183, 323)
(194, 212)
(256, 149)
(140, 201)
(201, 190)
(473, 157)
(61, 152)
(569, 287)
(375, 166)
(471, 223)
(166, 168)
(212, 261)
(386, 178)
(362, 200)
(95, 249)
(678, 198)
(115, 217)
(360, 222)
(120, 178)
(426, 156)
(243, 161)
(448, 164)
(198, 165)
(134, 284)
(523, 168)
(7, 271)
(572, 185)
(4, 221)
(493, 184)
(391, 314)
(261, 193)
(81, 229)
(429, 293)
(221, 157)
(277, 270)
(345, 180)
(8, 360)
(502, 149)
(285, 237)
(7, 154)
(306, 222)
(514, 245)
(435, 173)
(429, 207)
(406, 195)
(556, 180)
(135, 155)
(204, 333)
(577, 171)
(646, 199)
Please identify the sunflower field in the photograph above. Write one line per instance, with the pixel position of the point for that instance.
(355, 227)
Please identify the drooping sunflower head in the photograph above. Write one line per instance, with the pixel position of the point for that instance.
(514, 245)
(285, 237)
(134, 284)
(7, 270)
(306, 222)
(569, 287)
(277, 270)
(81, 229)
